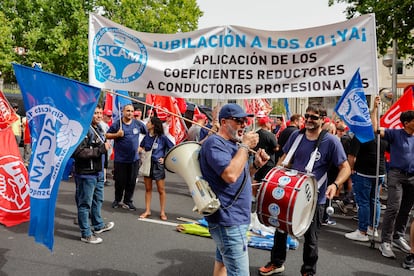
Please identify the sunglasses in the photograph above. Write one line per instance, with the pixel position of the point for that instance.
(313, 117)
(239, 121)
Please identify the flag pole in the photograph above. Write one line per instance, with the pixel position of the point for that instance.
(168, 112)
(155, 107)
(120, 114)
(376, 178)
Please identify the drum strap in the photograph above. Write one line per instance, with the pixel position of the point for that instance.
(293, 148)
(238, 192)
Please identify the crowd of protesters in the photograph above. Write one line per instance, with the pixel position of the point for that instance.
(351, 179)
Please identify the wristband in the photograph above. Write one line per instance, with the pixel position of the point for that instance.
(336, 185)
(244, 146)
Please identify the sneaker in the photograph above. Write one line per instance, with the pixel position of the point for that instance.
(92, 239)
(402, 244)
(271, 269)
(371, 232)
(308, 274)
(115, 204)
(341, 206)
(357, 236)
(408, 262)
(108, 226)
(329, 222)
(386, 250)
(129, 206)
(107, 183)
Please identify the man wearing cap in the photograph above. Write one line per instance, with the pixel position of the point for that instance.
(268, 142)
(107, 117)
(224, 165)
(194, 130)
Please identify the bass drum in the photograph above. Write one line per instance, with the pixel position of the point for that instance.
(287, 200)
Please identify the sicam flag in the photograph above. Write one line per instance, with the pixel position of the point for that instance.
(7, 113)
(391, 119)
(14, 182)
(59, 112)
(353, 109)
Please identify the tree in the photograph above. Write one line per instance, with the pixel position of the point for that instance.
(55, 33)
(388, 13)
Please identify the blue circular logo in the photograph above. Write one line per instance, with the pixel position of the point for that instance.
(118, 56)
(278, 193)
(274, 209)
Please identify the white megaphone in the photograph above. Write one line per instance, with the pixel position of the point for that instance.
(386, 95)
(183, 160)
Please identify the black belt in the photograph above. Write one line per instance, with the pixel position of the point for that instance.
(404, 172)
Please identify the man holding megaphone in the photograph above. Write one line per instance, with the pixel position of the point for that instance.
(224, 165)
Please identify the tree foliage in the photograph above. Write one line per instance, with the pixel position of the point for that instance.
(55, 33)
(394, 19)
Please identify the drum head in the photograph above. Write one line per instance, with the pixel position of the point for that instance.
(304, 207)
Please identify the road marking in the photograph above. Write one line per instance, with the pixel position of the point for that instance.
(158, 221)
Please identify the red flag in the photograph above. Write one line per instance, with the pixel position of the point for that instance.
(257, 107)
(14, 182)
(7, 113)
(109, 101)
(176, 127)
(391, 119)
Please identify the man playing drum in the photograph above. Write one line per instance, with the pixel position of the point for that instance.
(224, 165)
(330, 152)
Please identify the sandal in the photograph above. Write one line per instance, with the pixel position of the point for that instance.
(144, 215)
(163, 217)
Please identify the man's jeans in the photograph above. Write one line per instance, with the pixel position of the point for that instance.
(399, 203)
(231, 242)
(89, 199)
(364, 190)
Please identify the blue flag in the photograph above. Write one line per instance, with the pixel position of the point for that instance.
(59, 112)
(353, 109)
(286, 103)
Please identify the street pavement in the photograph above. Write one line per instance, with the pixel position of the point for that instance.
(154, 247)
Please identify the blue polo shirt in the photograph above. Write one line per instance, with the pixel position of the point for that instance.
(126, 147)
(215, 155)
(161, 146)
(330, 153)
(401, 149)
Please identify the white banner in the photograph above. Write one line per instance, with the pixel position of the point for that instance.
(232, 62)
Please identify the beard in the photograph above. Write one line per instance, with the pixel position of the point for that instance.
(235, 134)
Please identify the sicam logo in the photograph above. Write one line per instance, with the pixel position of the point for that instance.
(118, 56)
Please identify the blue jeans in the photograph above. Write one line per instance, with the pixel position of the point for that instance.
(364, 190)
(231, 250)
(89, 199)
(399, 203)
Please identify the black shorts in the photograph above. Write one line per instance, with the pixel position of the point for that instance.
(157, 171)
